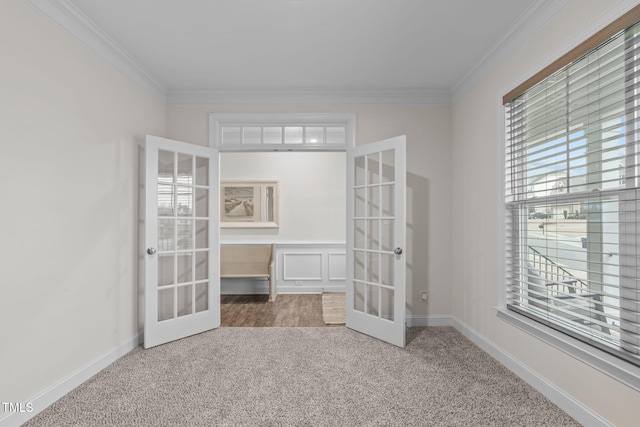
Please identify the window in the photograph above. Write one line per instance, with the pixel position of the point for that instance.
(281, 132)
(572, 196)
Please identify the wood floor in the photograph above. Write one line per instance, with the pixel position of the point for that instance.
(257, 311)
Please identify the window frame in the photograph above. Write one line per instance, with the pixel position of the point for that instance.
(615, 367)
(622, 370)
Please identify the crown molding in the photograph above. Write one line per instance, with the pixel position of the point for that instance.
(400, 96)
(531, 21)
(614, 12)
(80, 27)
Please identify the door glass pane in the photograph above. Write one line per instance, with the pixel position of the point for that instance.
(293, 135)
(185, 236)
(202, 265)
(202, 171)
(185, 268)
(165, 304)
(273, 135)
(373, 168)
(373, 302)
(166, 200)
(252, 135)
(336, 135)
(373, 234)
(231, 136)
(166, 238)
(185, 169)
(185, 201)
(202, 297)
(359, 201)
(202, 234)
(373, 201)
(358, 268)
(358, 241)
(314, 135)
(165, 270)
(387, 239)
(373, 264)
(359, 170)
(386, 304)
(202, 202)
(388, 166)
(387, 200)
(185, 301)
(166, 164)
(386, 269)
(358, 296)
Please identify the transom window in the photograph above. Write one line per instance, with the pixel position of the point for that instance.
(573, 196)
(281, 132)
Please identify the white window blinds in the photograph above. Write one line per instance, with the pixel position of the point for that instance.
(573, 196)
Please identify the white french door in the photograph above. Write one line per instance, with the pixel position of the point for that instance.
(182, 278)
(376, 235)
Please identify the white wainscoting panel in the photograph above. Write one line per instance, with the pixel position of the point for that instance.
(310, 267)
(301, 266)
(337, 266)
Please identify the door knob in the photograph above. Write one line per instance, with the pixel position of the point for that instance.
(151, 251)
(397, 251)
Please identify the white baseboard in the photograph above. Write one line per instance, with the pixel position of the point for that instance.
(439, 320)
(41, 401)
(577, 410)
(310, 289)
(244, 286)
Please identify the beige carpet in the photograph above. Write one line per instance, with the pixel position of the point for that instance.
(311, 377)
(334, 308)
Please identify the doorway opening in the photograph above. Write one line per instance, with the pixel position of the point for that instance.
(309, 237)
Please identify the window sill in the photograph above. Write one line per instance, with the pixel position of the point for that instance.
(618, 369)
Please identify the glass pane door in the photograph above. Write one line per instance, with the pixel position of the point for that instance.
(183, 228)
(376, 227)
(182, 280)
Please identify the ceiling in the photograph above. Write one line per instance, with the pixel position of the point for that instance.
(192, 46)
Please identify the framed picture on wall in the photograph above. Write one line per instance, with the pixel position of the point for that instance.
(249, 204)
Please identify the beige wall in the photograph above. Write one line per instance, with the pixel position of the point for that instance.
(477, 136)
(311, 194)
(428, 131)
(69, 128)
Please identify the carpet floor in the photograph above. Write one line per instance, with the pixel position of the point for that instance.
(305, 377)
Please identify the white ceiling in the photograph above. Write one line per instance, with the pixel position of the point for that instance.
(297, 45)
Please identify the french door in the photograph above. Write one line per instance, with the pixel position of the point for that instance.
(182, 278)
(376, 235)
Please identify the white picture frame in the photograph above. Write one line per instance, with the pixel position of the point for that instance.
(249, 204)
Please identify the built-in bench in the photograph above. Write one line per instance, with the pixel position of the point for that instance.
(249, 261)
